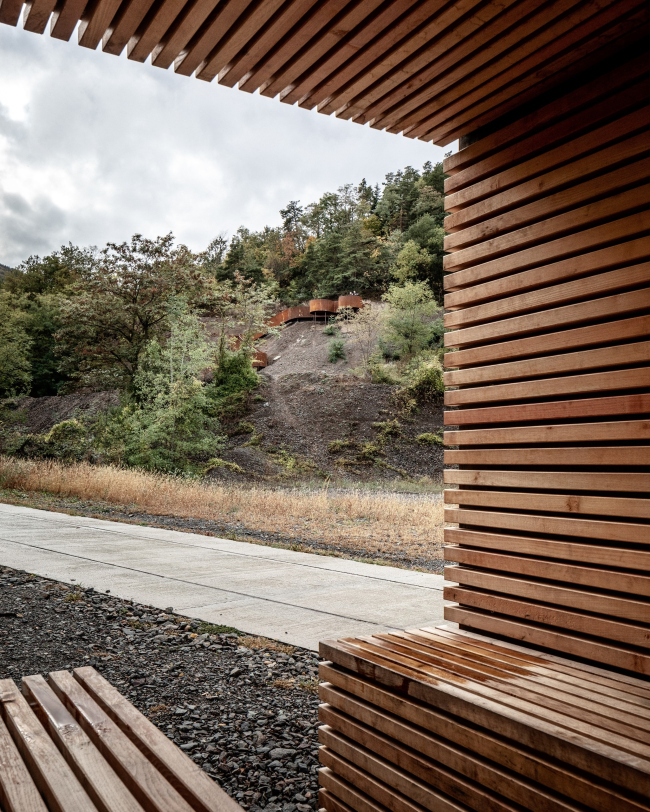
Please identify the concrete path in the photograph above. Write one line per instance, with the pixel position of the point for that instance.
(299, 598)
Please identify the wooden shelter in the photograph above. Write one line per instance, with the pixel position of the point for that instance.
(548, 400)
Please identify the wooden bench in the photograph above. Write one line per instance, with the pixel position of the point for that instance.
(73, 743)
(440, 719)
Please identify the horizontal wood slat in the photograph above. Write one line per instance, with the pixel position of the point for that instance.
(577, 551)
(593, 602)
(592, 286)
(559, 341)
(627, 253)
(616, 581)
(636, 378)
(617, 405)
(556, 502)
(557, 433)
(609, 482)
(613, 531)
(552, 228)
(602, 358)
(598, 309)
(562, 640)
(563, 118)
(519, 214)
(521, 259)
(498, 763)
(575, 621)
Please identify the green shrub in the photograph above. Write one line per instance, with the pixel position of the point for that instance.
(336, 446)
(68, 441)
(388, 428)
(243, 427)
(381, 373)
(216, 462)
(429, 438)
(436, 333)
(234, 374)
(423, 384)
(331, 329)
(368, 452)
(336, 350)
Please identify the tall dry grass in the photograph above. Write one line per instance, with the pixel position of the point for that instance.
(377, 524)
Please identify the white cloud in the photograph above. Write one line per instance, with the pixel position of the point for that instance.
(94, 148)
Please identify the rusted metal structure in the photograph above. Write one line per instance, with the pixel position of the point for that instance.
(323, 308)
(315, 308)
(548, 400)
(351, 300)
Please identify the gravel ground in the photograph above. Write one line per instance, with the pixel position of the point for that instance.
(243, 708)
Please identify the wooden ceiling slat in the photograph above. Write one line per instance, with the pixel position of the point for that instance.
(10, 11)
(524, 43)
(257, 51)
(125, 25)
(215, 30)
(431, 69)
(36, 15)
(383, 30)
(153, 29)
(524, 86)
(92, 27)
(237, 39)
(450, 58)
(328, 38)
(65, 18)
(438, 40)
(188, 22)
(544, 54)
(311, 26)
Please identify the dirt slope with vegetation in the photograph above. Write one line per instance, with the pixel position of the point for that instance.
(318, 425)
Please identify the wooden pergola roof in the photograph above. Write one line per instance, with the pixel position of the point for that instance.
(430, 69)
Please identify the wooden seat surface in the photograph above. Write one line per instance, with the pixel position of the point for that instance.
(73, 743)
(448, 720)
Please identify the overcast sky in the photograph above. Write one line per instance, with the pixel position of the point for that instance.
(94, 148)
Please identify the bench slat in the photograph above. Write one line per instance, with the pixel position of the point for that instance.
(188, 778)
(54, 778)
(95, 774)
(344, 713)
(18, 792)
(578, 744)
(141, 777)
(450, 731)
(394, 764)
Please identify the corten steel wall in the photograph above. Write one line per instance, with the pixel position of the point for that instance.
(548, 306)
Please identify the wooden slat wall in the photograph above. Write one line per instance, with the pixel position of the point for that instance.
(548, 399)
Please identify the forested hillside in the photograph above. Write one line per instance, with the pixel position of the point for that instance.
(357, 238)
(170, 332)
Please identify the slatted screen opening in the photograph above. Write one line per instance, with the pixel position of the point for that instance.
(548, 376)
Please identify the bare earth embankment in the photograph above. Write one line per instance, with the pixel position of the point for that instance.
(398, 529)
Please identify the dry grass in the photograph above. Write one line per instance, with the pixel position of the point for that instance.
(376, 524)
(264, 643)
